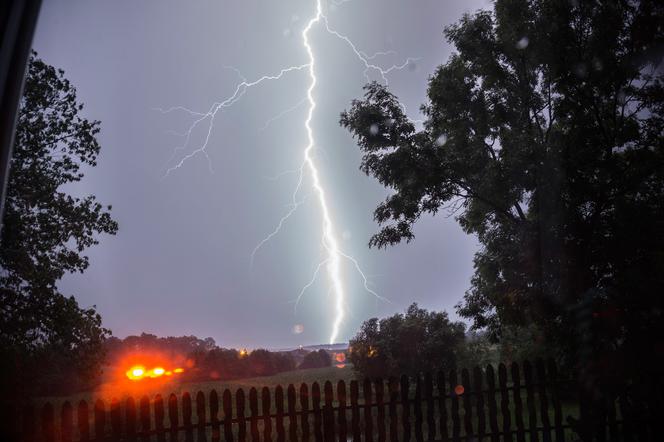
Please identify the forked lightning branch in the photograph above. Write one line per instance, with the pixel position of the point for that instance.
(333, 255)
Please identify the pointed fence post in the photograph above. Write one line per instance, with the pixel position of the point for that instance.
(467, 396)
(379, 386)
(241, 419)
(266, 410)
(228, 415)
(456, 424)
(544, 401)
(555, 398)
(29, 422)
(505, 402)
(253, 408)
(116, 419)
(100, 419)
(279, 403)
(304, 417)
(442, 406)
(368, 418)
(530, 396)
(130, 418)
(201, 419)
(186, 417)
(341, 397)
(478, 391)
(518, 403)
(292, 413)
(393, 390)
(315, 399)
(417, 409)
(144, 417)
(173, 417)
(214, 416)
(83, 421)
(159, 418)
(405, 408)
(48, 423)
(66, 422)
(328, 413)
(431, 407)
(355, 411)
(492, 405)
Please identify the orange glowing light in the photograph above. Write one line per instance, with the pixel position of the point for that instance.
(178, 370)
(340, 357)
(169, 373)
(459, 390)
(136, 372)
(158, 371)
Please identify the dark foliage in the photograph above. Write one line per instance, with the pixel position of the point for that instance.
(47, 342)
(544, 135)
(316, 359)
(418, 341)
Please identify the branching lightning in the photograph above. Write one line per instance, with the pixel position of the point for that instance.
(329, 241)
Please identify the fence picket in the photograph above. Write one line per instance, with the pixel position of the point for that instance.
(48, 423)
(505, 404)
(466, 397)
(214, 416)
(380, 406)
(100, 419)
(355, 411)
(341, 416)
(530, 400)
(544, 401)
(315, 402)
(130, 418)
(186, 417)
(442, 406)
(518, 405)
(200, 417)
(266, 409)
(478, 390)
(66, 422)
(405, 408)
(253, 408)
(393, 389)
(368, 418)
(491, 400)
(304, 406)
(227, 405)
(431, 410)
(279, 403)
(555, 398)
(328, 413)
(417, 409)
(241, 418)
(116, 419)
(173, 417)
(292, 414)
(159, 418)
(456, 424)
(83, 421)
(144, 418)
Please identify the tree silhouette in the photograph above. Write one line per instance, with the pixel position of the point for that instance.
(543, 135)
(45, 337)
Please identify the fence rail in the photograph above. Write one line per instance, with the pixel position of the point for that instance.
(519, 402)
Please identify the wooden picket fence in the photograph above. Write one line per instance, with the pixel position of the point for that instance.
(519, 403)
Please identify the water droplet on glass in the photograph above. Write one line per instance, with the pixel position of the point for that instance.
(441, 140)
(373, 129)
(523, 43)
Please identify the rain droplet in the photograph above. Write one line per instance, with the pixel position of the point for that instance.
(441, 140)
(523, 43)
(373, 129)
(297, 329)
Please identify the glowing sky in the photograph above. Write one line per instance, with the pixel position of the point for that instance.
(181, 263)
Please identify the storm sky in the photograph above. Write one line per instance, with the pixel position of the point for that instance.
(180, 263)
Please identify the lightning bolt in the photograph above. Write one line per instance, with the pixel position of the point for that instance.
(329, 241)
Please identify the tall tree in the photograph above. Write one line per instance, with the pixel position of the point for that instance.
(44, 333)
(543, 134)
